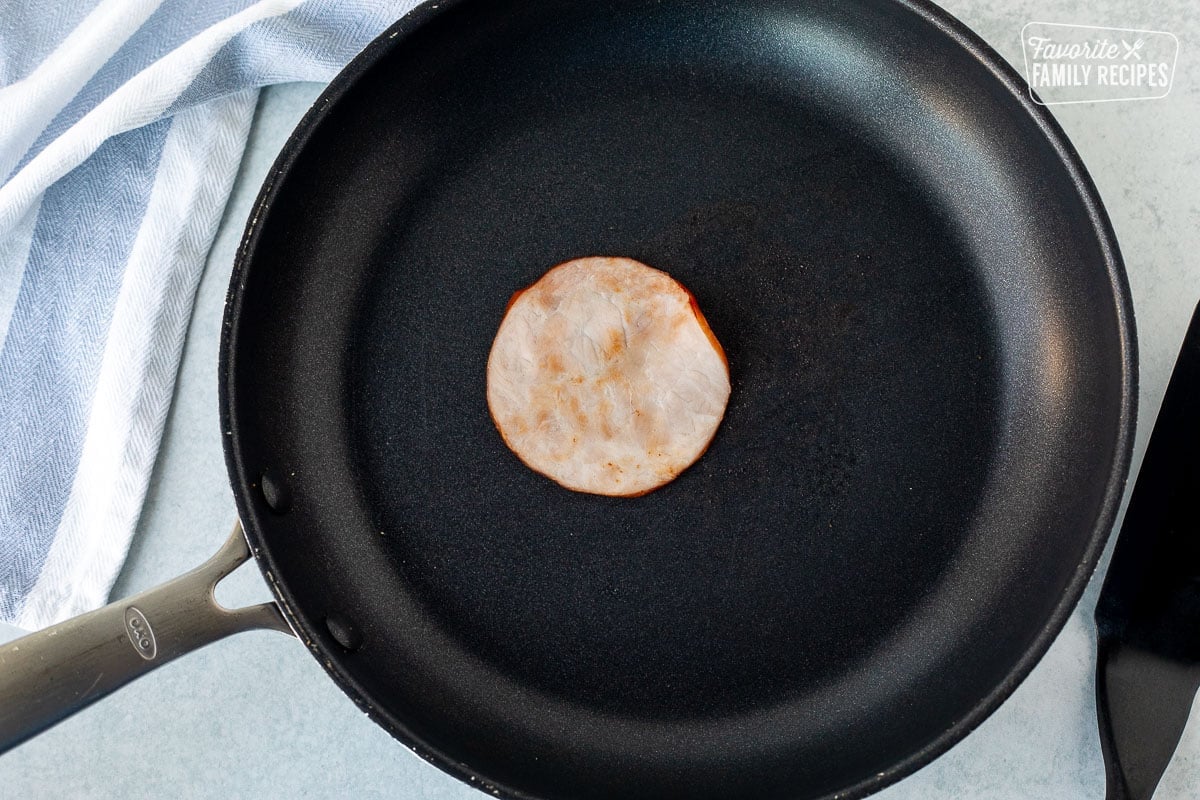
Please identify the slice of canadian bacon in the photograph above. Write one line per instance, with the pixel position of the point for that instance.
(605, 377)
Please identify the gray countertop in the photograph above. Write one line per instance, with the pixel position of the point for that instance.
(256, 717)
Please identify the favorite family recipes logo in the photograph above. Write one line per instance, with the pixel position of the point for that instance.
(1088, 64)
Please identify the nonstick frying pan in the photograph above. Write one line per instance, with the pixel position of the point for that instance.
(933, 366)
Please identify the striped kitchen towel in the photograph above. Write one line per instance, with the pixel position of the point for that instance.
(122, 123)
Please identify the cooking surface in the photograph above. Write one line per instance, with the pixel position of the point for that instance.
(849, 311)
(1041, 743)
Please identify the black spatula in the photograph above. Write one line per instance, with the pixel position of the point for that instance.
(1149, 610)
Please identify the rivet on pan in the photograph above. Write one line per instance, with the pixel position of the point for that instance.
(344, 632)
(275, 491)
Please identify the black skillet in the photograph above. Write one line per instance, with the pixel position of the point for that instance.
(931, 344)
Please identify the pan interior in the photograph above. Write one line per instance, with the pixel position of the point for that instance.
(927, 373)
(853, 453)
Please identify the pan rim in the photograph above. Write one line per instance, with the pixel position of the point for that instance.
(1007, 76)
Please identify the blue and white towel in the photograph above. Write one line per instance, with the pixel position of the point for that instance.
(122, 124)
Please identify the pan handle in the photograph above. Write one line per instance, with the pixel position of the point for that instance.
(49, 675)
